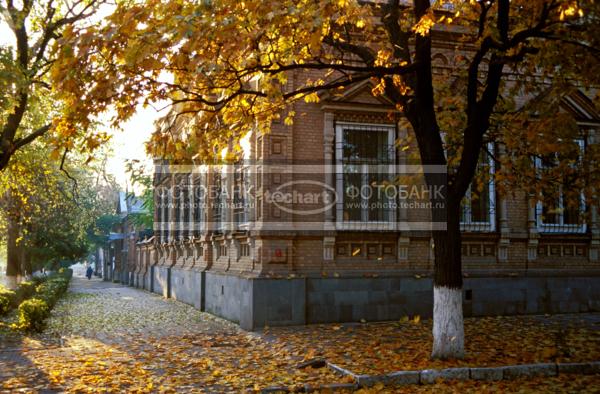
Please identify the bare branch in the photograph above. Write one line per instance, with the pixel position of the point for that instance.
(31, 137)
(63, 169)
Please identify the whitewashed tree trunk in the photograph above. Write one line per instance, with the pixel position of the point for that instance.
(448, 329)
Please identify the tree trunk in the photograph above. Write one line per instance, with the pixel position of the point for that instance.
(448, 330)
(26, 263)
(97, 261)
(13, 250)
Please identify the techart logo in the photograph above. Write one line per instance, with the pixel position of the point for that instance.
(292, 197)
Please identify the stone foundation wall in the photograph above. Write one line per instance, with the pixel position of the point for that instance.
(372, 299)
(533, 295)
(148, 279)
(160, 281)
(141, 280)
(125, 278)
(187, 286)
(257, 302)
(230, 297)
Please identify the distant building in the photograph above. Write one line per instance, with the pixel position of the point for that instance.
(119, 258)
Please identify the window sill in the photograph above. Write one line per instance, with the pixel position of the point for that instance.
(561, 229)
(365, 226)
(477, 227)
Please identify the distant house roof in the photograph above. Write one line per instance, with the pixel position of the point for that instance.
(115, 236)
(129, 204)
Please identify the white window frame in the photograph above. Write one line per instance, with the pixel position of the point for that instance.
(163, 199)
(187, 231)
(364, 224)
(245, 170)
(490, 225)
(198, 198)
(561, 227)
(169, 215)
(219, 218)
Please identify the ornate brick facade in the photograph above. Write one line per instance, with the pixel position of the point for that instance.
(236, 262)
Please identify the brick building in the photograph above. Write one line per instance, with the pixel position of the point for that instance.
(120, 259)
(294, 247)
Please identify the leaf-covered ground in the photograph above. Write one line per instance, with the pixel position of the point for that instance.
(559, 384)
(378, 348)
(106, 336)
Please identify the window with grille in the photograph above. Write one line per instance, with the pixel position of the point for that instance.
(365, 158)
(219, 202)
(198, 201)
(221, 250)
(186, 200)
(478, 206)
(167, 214)
(177, 200)
(161, 202)
(558, 211)
(241, 188)
(244, 250)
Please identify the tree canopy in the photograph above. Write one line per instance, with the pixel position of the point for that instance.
(28, 103)
(230, 66)
(50, 208)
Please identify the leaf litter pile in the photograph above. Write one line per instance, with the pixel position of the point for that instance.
(558, 384)
(134, 341)
(125, 339)
(377, 348)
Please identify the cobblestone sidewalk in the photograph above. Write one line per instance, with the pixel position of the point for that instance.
(111, 337)
(114, 337)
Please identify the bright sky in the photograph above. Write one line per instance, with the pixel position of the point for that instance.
(127, 144)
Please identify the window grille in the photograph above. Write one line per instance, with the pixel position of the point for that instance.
(198, 199)
(554, 213)
(219, 204)
(479, 206)
(241, 190)
(186, 205)
(167, 216)
(365, 159)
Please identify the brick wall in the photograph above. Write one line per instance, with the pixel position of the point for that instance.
(516, 247)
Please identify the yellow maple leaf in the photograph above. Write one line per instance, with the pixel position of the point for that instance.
(424, 25)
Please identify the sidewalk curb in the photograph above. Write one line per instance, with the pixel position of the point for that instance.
(430, 376)
(507, 372)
